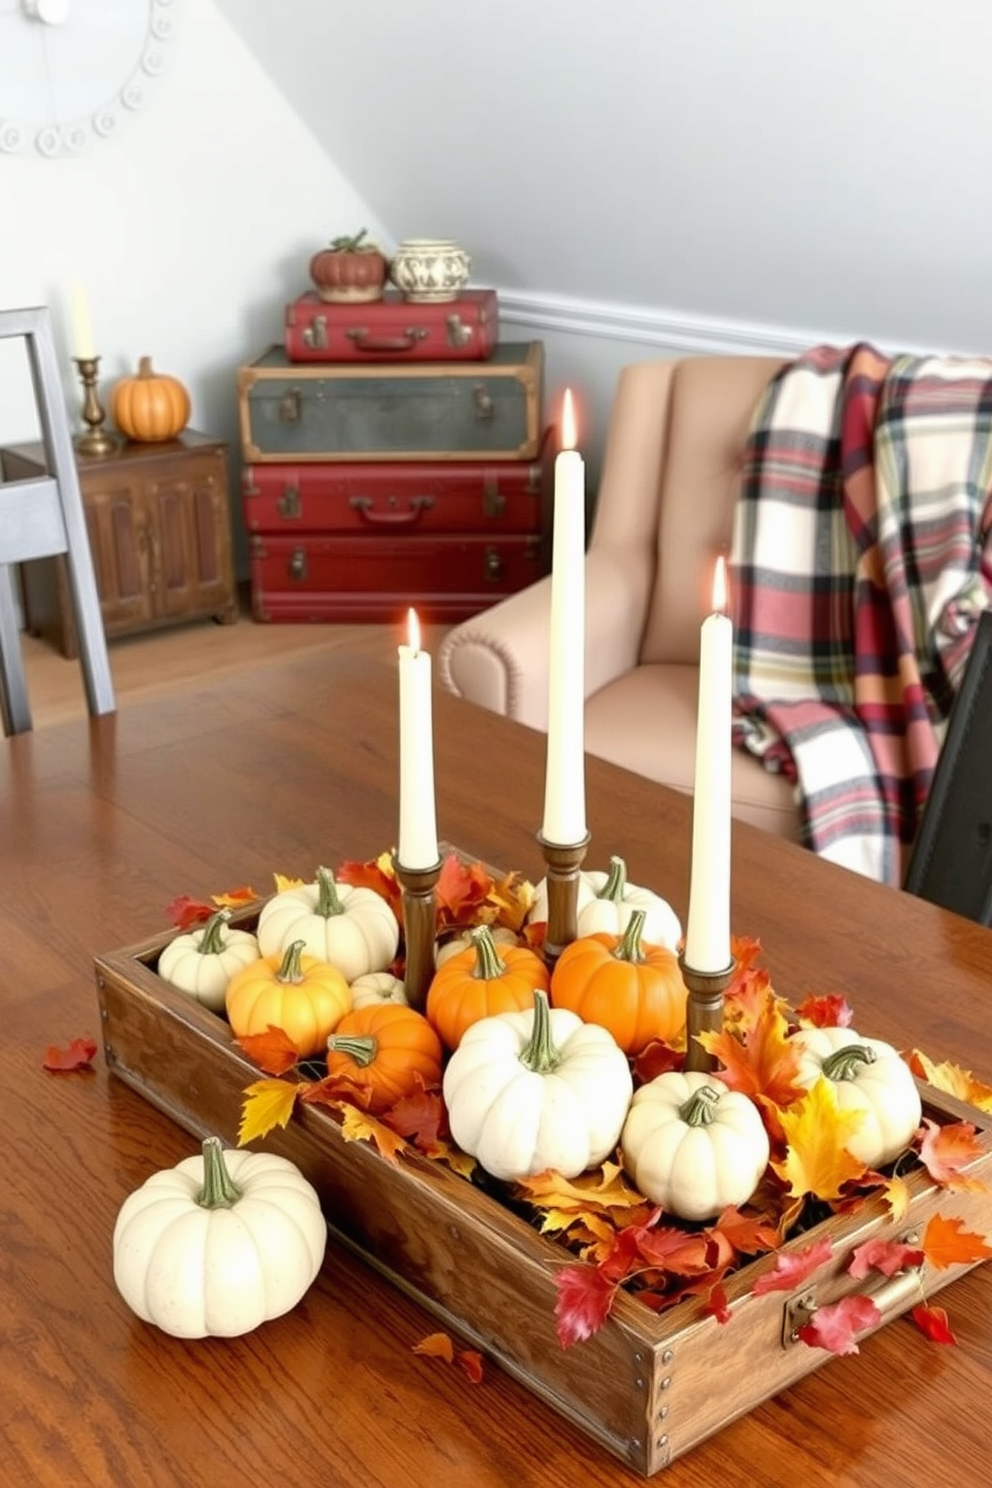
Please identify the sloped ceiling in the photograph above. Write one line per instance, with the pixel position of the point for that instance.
(784, 162)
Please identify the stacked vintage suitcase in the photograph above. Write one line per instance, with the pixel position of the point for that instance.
(395, 454)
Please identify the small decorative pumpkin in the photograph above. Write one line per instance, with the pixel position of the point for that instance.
(203, 961)
(634, 990)
(352, 928)
(387, 1052)
(350, 270)
(606, 902)
(218, 1244)
(481, 981)
(463, 941)
(376, 988)
(304, 997)
(867, 1076)
(693, 1145)
(151, 406)
(534, 1090)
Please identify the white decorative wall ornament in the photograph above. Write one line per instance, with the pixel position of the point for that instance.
(71, 69)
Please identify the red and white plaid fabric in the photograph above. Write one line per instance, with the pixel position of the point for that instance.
(861, 560)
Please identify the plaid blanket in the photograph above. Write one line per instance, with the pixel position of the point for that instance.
(861, 560)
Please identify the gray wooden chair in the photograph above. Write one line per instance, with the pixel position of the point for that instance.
(43, 518)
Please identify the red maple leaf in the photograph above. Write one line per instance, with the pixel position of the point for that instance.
(933, 1322)
(945, 1150)
(717, 1305)
(273, 1051)
(471, 1362)
(77, 1056)
(585, 1297)
(829, 1010)
(887, 1256)
(791, 1270)
(421, 1118)
(833, 1327)
(184, 911)
(654, 1059)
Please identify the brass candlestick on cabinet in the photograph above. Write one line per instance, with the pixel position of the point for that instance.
(96, 440)
(563, 864)
(703, 1011)
(419, 929)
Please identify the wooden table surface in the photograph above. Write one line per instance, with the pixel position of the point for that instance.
(102, 823)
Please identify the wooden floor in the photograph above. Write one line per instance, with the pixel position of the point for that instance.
(167, 660)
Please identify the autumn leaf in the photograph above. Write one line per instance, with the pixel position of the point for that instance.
(895, 1192)
(887, 1256)
(284, 884)
(833, 1327)
(267, 1104)
(235, 898)
(585, 1297)
(78, 1055)
(421, 1118)
(947, 1243)
(817, 1132)
(512, 897)
(933, 1322)
(604, 1188)
(953, 1079)
(379, 875)
(184, 911)
(717, 1305)
(273, 1051)
(792, 1268)
(471, 1363)
(761, 1061)
(747, 1234)
(655, 1059)
(945, 1150)
(436, 1346)
(828, 1010)
(359, 1126)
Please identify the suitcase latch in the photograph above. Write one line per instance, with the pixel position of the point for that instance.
(288, 505)
(493, 500)
(485, 408)
(289, 408)
(494, 565)
(315, 334)
(459, 334)
(298, 564)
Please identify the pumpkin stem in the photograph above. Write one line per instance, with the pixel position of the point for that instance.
(145, 367)
(488, 961)
(361, 1047)
(290, 968)
(328, 899)
(616, 881)
(629, 948)
(211, 941)
(845, 1063)
(219, 1189)
(541, 1054)
(700, 1108)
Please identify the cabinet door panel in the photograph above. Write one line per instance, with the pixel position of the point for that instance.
(189, 515)
(119, 541)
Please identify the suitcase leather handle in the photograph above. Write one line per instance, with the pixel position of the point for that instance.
(392, 517)
(365, 341)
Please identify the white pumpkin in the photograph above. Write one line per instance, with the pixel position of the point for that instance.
(693, 1145)
(536, 1090)
(201, 962)
(461, 942)
(377, 987)
(870, 1077)
(353, 929)
(218, 1244)
(606, 902)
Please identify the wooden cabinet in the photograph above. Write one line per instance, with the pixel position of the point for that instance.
(159, 524)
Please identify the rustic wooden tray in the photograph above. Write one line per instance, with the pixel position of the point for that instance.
(647, 1387)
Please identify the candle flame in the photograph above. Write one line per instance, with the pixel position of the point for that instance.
(568, 431)
(720, 586)
(413, 631)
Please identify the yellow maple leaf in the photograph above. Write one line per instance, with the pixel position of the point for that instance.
(267, 1103)
(605, 1188)
(895, 1191)
(235, 898)
(512, 898)
(953, 1079)
(816, 1131)
(359, 1126)
(283, 883)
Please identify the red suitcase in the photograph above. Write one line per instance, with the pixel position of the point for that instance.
(401, 499)
(393, 329)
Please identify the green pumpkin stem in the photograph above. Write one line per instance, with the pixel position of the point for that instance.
(361, 1047)
(629, 948)
(219, 1189)
(328, 900)
(616, 882)
(541, 1054)
(488, 961)
(290, 968)
(845, 1063)
(211, 942)
(700, 1108)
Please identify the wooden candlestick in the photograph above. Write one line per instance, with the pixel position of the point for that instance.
(419, 929)
(562, 878)
(703, 1011)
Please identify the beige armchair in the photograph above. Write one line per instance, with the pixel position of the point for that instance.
(663, 513)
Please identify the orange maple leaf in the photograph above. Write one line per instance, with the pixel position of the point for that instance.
(436, 1346)
(359, 1126)
(77, 1056)
(760, 1061)
(816, 1132)
(953, 1079)
(235, 898)
(377, 874)
(512, 898)
(827, 1010)
(273, 1051)
(947, 1243)
(945, 1150)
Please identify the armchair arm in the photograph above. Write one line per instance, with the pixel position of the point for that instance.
(500, 658)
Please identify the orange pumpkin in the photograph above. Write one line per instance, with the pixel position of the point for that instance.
(304, 997)
(481, 981)
(151, 406)
(386, 1051)
(634, 990)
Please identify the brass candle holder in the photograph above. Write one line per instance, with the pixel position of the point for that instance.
(96, 440)
(703, 1011)
(563, 861)
(419, 928)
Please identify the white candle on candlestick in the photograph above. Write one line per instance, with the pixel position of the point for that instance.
(417, 844)
(707, 942)
(83, 345)
(564, 786)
